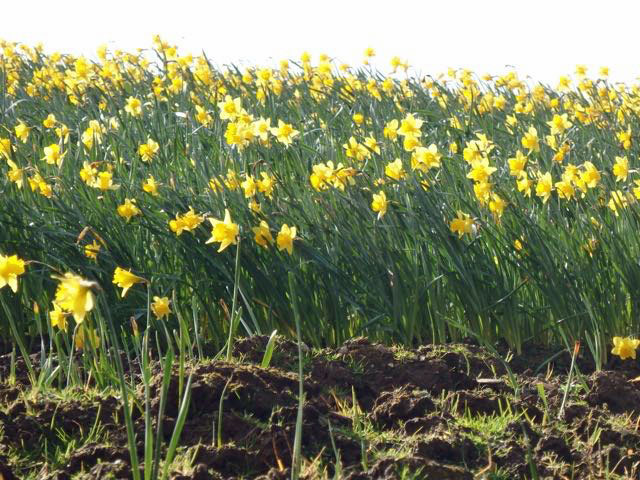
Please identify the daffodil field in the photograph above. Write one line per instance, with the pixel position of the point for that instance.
(157, 188)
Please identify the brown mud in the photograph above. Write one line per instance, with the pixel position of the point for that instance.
(371, 411)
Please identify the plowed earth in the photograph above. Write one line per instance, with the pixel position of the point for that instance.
(442, 412)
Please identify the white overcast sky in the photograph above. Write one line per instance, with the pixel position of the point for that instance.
(540, 38)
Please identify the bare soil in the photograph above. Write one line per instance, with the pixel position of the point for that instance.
(445, 412)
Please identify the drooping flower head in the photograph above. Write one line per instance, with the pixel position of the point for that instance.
(125, 279)
(74, 295)
(10, 269)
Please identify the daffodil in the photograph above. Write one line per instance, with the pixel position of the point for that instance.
(88, 173)
(231, 180)
(74, 295)
(50, 121)
(462, 224)
(203, 117)
(104, 181)
(544, 187)
(58, 317)
(636, 189)
(249, 186)
(148, 150)
(38, 183)
(396, 63)
(63, 133)
(625, 347)
(356, 150)
(11, 267)
(52, 154)
(590, 175)
(410, 143)
(482, 191)
(22, 132)
(128, 209)
(497, 205)
(5, 148)
(133, 107)
(239, 134)
(624, 138)
(230, 108)
(565, 190)
(559, 124)
(425, 158)
(621, 168)
(379, 203)
(91, 250)
(262, 128)
(530, 140)
(517, 165)
(481, 171)
(581, 70)
(15, 174)
(391, 130)
(410, 127)
(285, 238)
(395, 170)
(150, 186)
(369, 53)
(372, 144)
(284, 133)
(619, 200)
(125, 279)
(322, 176)
(564, 84)
(161, 307)
(473, 152)
(224, 231)
(186, 222)
(262, 234)
(266, 184)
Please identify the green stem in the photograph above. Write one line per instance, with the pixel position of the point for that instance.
(236, 282)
